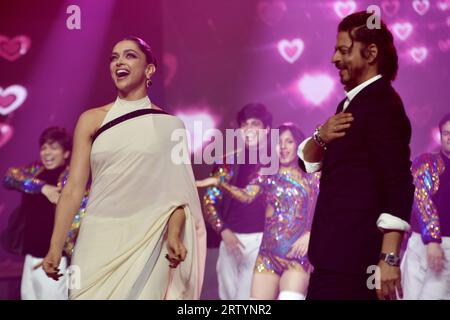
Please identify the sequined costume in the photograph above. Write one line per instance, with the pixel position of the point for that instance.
(245, 221)
(426, 170)
(25, 179)
(430, 222)
(213, 196)
(290, 195)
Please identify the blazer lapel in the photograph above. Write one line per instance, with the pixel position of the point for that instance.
(340, 106)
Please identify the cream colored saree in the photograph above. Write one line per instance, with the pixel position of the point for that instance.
(136, 185)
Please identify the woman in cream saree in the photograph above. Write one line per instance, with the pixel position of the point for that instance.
(140, 193)
(120, 250)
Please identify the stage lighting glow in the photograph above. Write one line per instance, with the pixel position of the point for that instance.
(443, 5)
(271, 12)
(444, 45)
(316, 88)
(197, 124)
(436, 136)
(171, 63)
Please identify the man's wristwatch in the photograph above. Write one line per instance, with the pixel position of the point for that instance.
(391, 259)
(317, 139)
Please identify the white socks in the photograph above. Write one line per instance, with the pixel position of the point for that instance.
(291, 295)
(287, 295)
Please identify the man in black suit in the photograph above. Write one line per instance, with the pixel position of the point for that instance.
(366, 189)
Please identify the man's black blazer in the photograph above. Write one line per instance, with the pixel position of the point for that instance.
(364, 174)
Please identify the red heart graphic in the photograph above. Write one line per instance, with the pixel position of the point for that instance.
(271, 12)
(13, 49)
(390, 7)
(6, 133)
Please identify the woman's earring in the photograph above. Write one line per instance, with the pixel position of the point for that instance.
(148, 83)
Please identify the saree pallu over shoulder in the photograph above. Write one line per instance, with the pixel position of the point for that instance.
(125, 117)
(137, 183)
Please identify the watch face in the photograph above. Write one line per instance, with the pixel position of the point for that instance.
(392, 259)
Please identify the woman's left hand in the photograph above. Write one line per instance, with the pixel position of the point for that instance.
(176, 251)
(300, 247)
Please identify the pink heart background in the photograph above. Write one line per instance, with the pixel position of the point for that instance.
(13, 49)
(291, 50)
(402, 30)
(344, 8)
(11, 98)
(271, 12)
(443, 5)
(6, 133)
(7, 100)
(390, 8)
(419, 54)
(444, 45)
(421, 6)
(316, 88)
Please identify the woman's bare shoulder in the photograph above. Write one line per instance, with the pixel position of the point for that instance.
(94, 117)
(98, 111)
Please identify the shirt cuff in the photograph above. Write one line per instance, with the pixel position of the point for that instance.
(310, 167)
(387, 221)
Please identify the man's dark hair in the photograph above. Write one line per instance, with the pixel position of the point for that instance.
(255, 110)
(444, 120)
(356, 26)
(56, 134)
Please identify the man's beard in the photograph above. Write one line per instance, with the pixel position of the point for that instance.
(353, 76)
